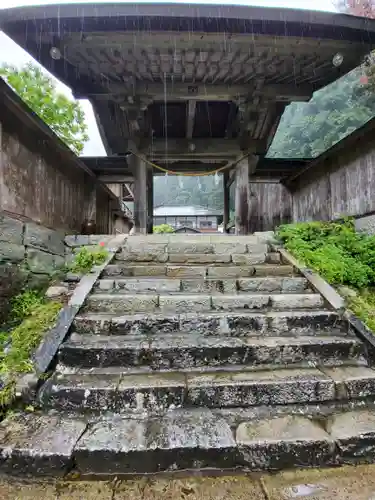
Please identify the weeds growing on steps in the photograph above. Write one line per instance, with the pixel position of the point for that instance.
(340, 255)
(86, 258)
(31, 316)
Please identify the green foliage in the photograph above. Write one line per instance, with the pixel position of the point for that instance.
(24, 303)
(65, 117)
(163, 228)
(308, 129)
(363, 306)
(86, 258)
(334, 250)
(23, 340)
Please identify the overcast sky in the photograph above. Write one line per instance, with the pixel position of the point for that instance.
(11, 53)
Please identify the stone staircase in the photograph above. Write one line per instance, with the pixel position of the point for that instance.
(200, 353)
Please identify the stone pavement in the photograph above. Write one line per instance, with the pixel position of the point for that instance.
(345, 483)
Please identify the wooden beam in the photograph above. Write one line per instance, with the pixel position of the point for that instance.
(140, 194)
(226, 211)
(190, 118)
(115, 179)
(150, 201)
(243, 200)
(192, 148)
(202, 92)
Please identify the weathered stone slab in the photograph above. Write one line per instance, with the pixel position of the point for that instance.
(297, 301)
(11, 252)
(273, 284)
(260, 284)
(226, 272)
(233, 302)
(257, 248)
(273, 258)
(353, 382)
(186, 272)
(208, 286)
(284, 442)
(11, 230)
(191, 258)
(189, 246)
(40, 262)
(328, 351)
(184, 303)
(294, 285)
(176, 441)
(256, 388)
(273, 270)
(81, 392)
(154, 391)
(354, 433)
(143, 252)
(304, 323)
(37, 445)
(134, 271)
(250, 259)
(44, 239)
(147, 285)
(229, 247)
(121, 303)
(101, 351)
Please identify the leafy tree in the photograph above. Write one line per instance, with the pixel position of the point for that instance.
(204, 191)
(65, 117)
(308, 129)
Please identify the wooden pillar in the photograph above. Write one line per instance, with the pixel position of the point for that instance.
(226, 214)
(140, 195)
(150, 200)
(243, 194)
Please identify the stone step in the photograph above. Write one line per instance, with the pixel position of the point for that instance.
(165, 390)
(184, 303)
(207, 285)
(195, 439)
(177, 352)
(230, 271)
(151, 251)
(238, 324)
(240, 259)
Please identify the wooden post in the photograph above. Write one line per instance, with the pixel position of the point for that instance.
(226, 201)
(150, 200)
(140, 195)
(243, 195)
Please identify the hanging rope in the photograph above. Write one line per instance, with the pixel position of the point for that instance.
(192, 174)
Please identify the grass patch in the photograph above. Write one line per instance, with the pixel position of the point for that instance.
(340, 255)
(34, 315)
(86, 258)
(363, 306)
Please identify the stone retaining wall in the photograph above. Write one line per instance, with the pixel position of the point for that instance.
(30, 254)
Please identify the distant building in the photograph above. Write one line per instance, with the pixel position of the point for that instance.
(204, 220)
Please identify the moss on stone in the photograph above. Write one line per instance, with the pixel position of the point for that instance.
(22, 340)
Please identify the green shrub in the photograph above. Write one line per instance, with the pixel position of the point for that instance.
(334, 250)
(163, 228)
(24, 303)
(86, 258)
